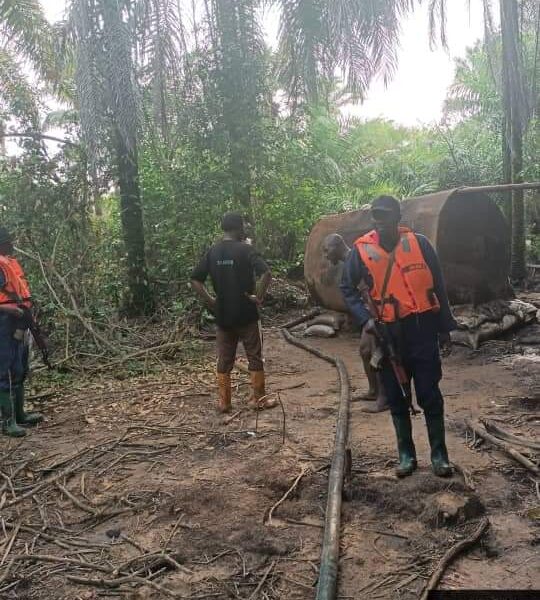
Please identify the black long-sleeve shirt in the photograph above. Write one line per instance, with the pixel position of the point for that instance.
(356, 271)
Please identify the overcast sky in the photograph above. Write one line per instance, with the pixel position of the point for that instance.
(416, 93)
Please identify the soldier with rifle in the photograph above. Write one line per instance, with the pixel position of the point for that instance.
(16, 325)
(405, 306)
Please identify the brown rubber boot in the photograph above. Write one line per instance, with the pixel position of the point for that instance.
(224, 388)
(259, 398)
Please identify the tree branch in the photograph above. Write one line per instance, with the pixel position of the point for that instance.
(39, 136)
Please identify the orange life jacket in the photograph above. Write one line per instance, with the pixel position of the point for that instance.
(16, 289)
(410, 286)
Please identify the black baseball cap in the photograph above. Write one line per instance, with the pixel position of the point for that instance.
(387, 204)
(232, 221)
(5, 236)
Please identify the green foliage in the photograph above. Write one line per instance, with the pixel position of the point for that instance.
(215, 132)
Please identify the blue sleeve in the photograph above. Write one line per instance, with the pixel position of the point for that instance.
(447, 322)
(2, 279)
(354, 272)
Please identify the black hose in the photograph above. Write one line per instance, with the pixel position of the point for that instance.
(328, 572)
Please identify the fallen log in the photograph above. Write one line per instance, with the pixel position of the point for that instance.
(451, 554)
(512, 452)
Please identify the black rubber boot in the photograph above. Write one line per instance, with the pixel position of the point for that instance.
(406, 450)
(9, 425)
(439, 455)
(24, 418)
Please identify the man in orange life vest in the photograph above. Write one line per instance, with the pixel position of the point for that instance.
(407, 288)
(14, 298)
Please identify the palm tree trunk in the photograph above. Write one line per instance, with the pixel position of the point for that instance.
(238, 96)
(512, 97)
(139, 298)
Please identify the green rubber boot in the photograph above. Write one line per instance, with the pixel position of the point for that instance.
(439, 454)
(406, 450)
(24, 418)
(9, 424)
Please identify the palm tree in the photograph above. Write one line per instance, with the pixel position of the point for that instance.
(317, 39)
(122, 43)
(107, 38)
(25, 36)
(240, 69)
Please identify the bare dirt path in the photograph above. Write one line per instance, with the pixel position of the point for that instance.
(141, 476)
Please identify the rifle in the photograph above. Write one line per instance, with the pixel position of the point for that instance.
(38, 336)
(384, 338)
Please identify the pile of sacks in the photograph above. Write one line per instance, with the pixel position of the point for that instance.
(490, 320)
(324, 326)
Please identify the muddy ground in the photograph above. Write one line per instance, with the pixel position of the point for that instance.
(135, 488)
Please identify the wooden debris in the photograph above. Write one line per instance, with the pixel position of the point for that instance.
(10, 543)
(451, 554)
(509, 437)
(151, 350)
(512, 452)
(261, 582)
(268, 519)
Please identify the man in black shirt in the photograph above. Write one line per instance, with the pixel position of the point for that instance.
(233, 267)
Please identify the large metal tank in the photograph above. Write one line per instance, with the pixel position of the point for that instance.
(467, 229)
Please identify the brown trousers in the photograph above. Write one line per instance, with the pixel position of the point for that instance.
(227, 343)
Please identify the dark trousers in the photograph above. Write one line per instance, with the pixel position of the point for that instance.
(13, 355)
(419, 348)
(227, 343)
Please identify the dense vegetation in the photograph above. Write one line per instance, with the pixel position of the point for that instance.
(182, 123)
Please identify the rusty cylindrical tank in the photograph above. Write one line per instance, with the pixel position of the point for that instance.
(467, 229)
